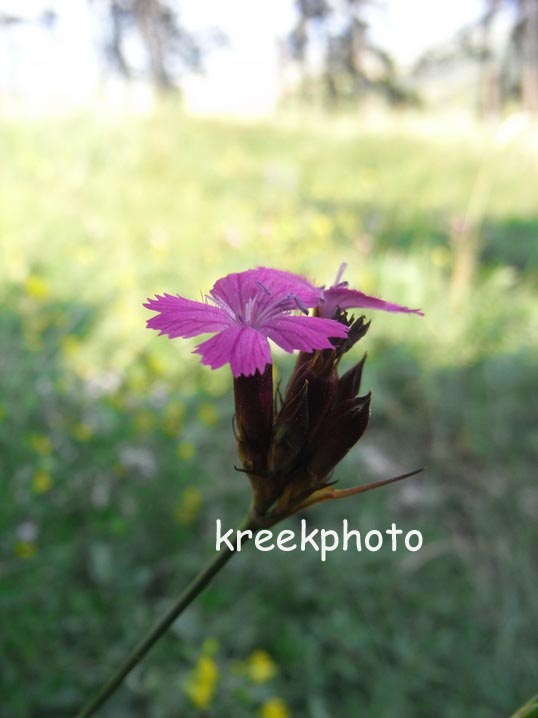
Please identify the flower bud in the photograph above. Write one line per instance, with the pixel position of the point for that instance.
(254, 418)
(319, 370)
(290, 432)
(349, 384)
(340, 431)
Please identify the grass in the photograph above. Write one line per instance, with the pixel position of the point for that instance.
(116, 448)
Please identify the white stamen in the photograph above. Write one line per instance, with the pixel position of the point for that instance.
(341, 271)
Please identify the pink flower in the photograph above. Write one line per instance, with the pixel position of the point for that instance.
(340, 297)
(244, 310)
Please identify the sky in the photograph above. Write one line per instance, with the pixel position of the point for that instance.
(63, 65)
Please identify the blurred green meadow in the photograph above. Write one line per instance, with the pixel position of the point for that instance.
(117, 450)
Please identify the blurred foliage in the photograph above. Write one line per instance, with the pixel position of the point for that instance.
(117, 452)
(529, 710)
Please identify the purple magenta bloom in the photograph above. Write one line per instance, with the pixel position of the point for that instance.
(245, 309)
(340, 297)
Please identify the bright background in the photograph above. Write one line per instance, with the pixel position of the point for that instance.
(117, 451)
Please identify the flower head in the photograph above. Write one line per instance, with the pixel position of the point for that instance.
(288, 445)
(244, 310)
(339, 296)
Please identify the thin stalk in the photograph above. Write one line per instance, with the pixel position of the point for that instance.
(196, 586)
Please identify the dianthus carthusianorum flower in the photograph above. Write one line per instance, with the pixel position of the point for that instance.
(245, 309)
(288, 446)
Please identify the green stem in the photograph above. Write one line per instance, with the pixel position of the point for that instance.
(196, 586)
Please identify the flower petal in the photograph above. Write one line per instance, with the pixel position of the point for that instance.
(180, 317)
(304, 333)
(343, 298)
(277, 281)
(244, 348)
(236, 289)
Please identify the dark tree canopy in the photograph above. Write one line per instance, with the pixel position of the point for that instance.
(352, 65)
(168, 47)
(508, 68)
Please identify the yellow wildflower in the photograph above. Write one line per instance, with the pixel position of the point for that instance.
(144, 421)
(70, 345)
(37, 287)
(440, 256)
(274, 708)
(156, 364)
(207, 414)
(25, 549)
(41, 444)
(82, 432)
(41, 482)
(172, 419)
(202, 682)
(186, 450)
(189, 506)
(260, 667)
